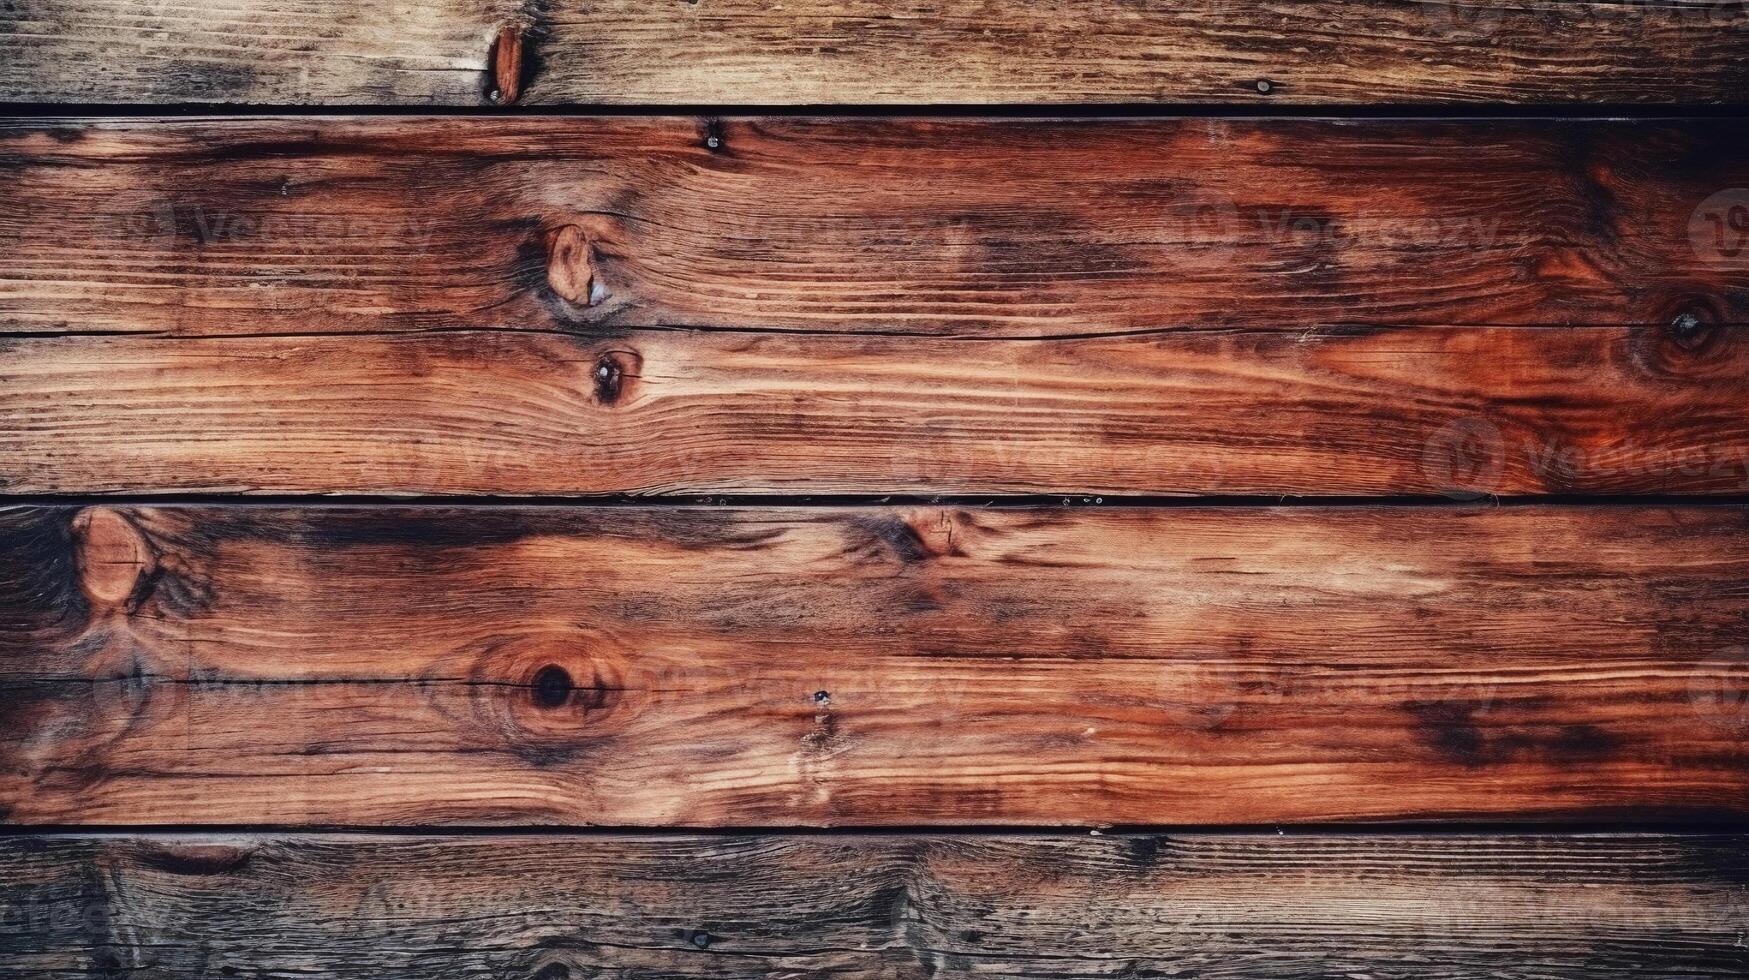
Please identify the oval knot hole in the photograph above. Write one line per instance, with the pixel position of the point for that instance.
(506, 63)
(113, 555)
(571, 267)
(552, 686)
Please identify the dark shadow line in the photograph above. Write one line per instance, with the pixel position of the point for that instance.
(1656, 825)
(1575, 112)
(1077, 500)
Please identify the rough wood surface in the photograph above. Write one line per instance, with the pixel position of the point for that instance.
(1017, 228)
(1465, 412)
(724, 666)
(610, 306)
(741, 52)
(875, 907)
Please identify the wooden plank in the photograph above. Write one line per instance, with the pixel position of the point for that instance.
(556, 907)
(1016, 228)
(1465, 411)
(905, 250)
(825, 666)
(741, 52)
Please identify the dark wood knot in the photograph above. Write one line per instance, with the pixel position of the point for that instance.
(609, 378)
(613, 375)
(1689, 331)
(552, 686)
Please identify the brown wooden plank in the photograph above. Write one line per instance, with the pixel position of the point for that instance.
(740, 52)
(1059, 233)
(1462, 411)
(721, 666)
(1019, 228)
(1064, 908)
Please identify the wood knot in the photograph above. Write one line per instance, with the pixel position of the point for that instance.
(114, 556)
(553, 686)
(613, 374)
(505, 62)
(547, 695)
(1691, 343)
(582, 683)
(1689, 331)
(714, 138)
(571, 267)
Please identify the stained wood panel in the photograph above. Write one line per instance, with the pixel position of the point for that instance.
(1463, 411)
(954, 228)
(474, 52)
(826, 666)
(611, 306)
(1229, 907)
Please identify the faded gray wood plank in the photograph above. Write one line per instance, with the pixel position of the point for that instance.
(558, 907)
(748, 52)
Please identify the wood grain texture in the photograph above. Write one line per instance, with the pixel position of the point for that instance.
(635, 305)
(734, 667)
(741, 52)
(875, 907)
(1465, 412)
(1014, 228)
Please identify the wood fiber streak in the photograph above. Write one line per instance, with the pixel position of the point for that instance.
(1459, 411)
(814, 52)
(987, 228)
(782, 667)
(875, 907)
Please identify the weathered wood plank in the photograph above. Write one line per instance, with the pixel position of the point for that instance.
(877, 907)
(1465, 412)
(711, 666)
(946, 227)
(740, 52)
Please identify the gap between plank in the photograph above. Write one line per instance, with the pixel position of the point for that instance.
(1427, 828)
(1578, 112)
(1077, 500)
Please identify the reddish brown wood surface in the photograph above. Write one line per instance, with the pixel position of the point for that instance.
(874, 907)
(1135, 307)
(479, 52)
(570, 306)
(1014, 228)
(736, 667)
(1466, 412)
